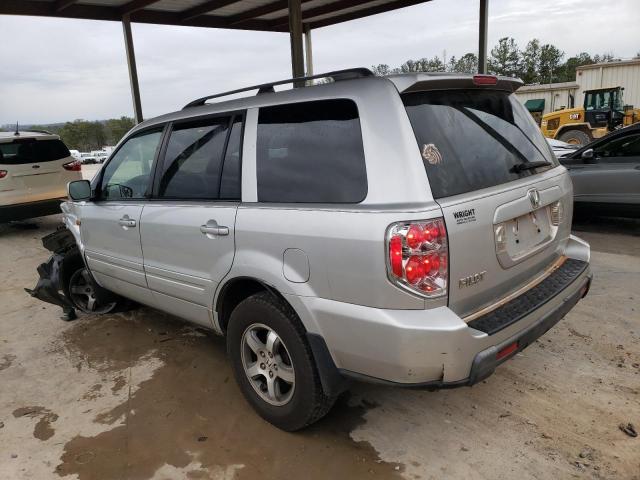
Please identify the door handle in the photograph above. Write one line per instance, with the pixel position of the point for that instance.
(126, 222)
(211, 229)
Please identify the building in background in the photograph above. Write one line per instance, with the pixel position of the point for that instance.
(545, 98)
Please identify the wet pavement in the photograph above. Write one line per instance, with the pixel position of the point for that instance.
(142, 395)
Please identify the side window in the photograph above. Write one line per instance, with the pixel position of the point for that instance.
(193, 161)
(311, 152)
(127, 173)
(627, 146)
(231, 173)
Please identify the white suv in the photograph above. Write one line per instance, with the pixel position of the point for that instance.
(35, 168)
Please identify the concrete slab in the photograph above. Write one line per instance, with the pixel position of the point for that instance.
(142, 395)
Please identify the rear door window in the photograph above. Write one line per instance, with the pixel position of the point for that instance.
(311, 152)
(473, 139)
(30, 150)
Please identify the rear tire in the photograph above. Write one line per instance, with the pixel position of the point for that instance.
(575, 137)
(273, 363)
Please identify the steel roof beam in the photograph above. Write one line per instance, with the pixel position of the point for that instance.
(101, 12)
(135, 5)
(60, 5)
(263, 10)
(364, 12)
(321, 10)
(205, 8)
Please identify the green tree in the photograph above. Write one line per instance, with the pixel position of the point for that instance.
(604, 58)
(550, 61)
(468, 63)
(434, 64)
(381, 69)
(83, 135)
(567, 72)
(116, 128)
(505, 58)
(531, 62)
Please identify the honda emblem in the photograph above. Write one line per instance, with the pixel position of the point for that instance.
(534, 197)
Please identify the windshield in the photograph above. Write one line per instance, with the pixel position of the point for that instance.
(473, 139)
(604, 100)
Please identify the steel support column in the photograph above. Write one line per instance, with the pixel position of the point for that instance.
(482, 36)
(295, 32)
(133, 69)
(308, 50)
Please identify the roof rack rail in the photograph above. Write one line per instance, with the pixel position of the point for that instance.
(47, 132)
(337, 75)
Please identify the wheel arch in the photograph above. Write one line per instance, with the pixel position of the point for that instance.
(235, 290)
(583, 127)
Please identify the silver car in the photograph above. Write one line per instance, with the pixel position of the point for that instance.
(412, 230)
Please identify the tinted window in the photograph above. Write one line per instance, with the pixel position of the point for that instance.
(32, 151)
(231, 176)
(311, 152)
(626, 146)
(193, 160)
(472, 139)
(127, 173)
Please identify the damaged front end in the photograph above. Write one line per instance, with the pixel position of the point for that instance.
(50, 287)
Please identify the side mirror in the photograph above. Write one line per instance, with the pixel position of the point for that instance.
(79, 190)
(588, 155)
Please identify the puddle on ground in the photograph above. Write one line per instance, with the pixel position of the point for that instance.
(43, 429)
(6, 361)
(191, 416)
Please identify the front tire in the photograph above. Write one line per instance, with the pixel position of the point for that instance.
(273, 363)
(575, 137)
(84, 295)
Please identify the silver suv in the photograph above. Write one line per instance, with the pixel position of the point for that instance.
(412, 230)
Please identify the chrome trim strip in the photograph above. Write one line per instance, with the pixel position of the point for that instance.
(548, 271)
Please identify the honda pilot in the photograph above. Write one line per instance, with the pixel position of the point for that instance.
(410, 230)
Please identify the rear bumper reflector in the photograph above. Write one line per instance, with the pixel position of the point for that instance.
(506, 351)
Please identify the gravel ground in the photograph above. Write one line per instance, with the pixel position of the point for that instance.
(141, 395)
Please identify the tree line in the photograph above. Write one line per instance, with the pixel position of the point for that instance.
(535, 63)
(87, 135)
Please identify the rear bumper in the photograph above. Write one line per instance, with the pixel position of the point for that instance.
(430, 348)
(23, 211)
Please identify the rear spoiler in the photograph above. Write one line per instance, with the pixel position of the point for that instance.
(445, 81)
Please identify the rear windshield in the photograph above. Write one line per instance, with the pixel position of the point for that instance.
(473, 139)
(30, 150)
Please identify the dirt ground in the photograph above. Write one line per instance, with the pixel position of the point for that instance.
(141, 395)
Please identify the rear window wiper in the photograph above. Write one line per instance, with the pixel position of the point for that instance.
(520, 167)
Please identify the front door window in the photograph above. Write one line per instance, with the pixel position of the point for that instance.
(127, 174)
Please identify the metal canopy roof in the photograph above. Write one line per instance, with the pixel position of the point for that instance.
(265, 15)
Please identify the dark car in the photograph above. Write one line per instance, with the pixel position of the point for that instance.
(606, 173)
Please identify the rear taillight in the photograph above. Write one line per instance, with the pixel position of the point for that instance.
(485, 80)
(74, 166)
(418, 256)
(557, 213)
(3, 173)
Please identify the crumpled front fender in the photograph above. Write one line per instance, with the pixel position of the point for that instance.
(49, 287)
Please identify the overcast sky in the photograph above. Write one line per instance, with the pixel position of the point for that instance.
(55, 70)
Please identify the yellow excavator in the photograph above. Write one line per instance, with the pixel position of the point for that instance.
(603, 112)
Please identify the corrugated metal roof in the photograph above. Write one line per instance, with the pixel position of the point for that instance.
(267, 15)
(548, 86)
(614, 63)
